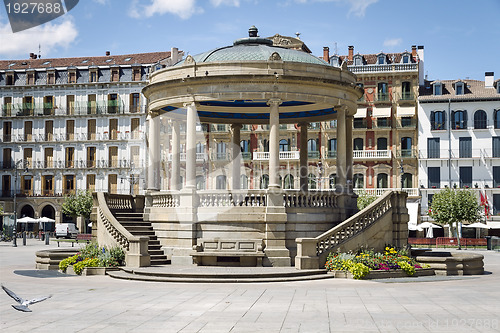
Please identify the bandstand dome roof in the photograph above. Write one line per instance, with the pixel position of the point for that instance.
(233, 84)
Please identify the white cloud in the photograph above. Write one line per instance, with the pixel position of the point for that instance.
(50, 36)
(217, 3)
(392, 42)
(357, 7)
(182, 8)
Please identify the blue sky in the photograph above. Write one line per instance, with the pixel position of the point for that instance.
(461, 38)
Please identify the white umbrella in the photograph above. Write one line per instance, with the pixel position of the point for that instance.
(430, 233)
(27, 219)
(477, 225)
(429, 225)
(45, 220)
(414, 227)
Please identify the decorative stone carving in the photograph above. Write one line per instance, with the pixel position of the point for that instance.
(279, 40)
(275, 57)
(189, 60)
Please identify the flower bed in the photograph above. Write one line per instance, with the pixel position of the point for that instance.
(93, 255)
(361, 264)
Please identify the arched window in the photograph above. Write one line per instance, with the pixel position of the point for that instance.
(245, 146)
(358, 180)
(382, 180)
(312, 148)
(312, 181)
(200, 183)
(407, 180)
(358, 144)
(243, 182)
(438, 120)
(221, 151)
(382, 91)
(406, 147)
(288, 182)
(437, 88)
(406, 90)
(480, 119)
(382, 144)
(284, 145)
(497, 118)
(332, 180)
(200, 148)
(264, 182)
(332, 148)
(220, 182)
(459, 120)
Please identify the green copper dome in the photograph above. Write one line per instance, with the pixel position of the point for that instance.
(255, 48)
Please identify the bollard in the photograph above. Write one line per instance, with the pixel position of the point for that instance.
(47, 239)
(24, 238)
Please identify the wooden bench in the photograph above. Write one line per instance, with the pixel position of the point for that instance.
(228, 252)
(79, 238)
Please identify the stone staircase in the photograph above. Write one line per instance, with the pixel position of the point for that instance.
(135, 224)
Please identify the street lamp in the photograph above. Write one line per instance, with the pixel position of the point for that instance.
(401, 169)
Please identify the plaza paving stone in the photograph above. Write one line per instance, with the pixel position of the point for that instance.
(103, 304)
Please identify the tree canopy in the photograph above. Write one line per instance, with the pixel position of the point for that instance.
(79, 204)
(364, 199)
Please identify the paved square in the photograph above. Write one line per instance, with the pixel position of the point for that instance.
(103, 304)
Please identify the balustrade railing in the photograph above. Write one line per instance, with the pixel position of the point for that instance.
(299, 199)
(372, 154)
(166, 200)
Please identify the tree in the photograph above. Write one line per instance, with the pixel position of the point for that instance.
(454, 206)
(364, 199)
(79, 204)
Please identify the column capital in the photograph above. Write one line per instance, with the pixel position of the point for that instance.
(274, 101)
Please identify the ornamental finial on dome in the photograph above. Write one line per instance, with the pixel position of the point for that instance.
(252, 32)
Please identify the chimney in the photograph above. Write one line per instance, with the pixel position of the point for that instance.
(174, 55)
(108, 53)
(414, 51)
(421, 76)
(31, 55)
(351, 53)
(489, 78)
(326, 53)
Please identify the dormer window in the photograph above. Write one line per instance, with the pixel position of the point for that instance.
(93, 75)
(358, 60)
(115, 74)
(9, 80)
(30, 79)
(136, 73)
(406, 59)
(459, 88)
(381, 59)
(72, 75)
(497, 85)
(335, 61)
(51, 77)
(438, 89)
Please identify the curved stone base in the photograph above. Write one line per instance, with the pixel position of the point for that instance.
(49, 259)
(453, 263)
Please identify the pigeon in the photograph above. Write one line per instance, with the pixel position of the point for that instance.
(24, 303)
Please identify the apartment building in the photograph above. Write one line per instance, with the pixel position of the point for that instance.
(459, 139)
(72, 124)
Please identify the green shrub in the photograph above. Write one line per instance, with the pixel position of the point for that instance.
(63, 264)
(79, 266)
(91, 250)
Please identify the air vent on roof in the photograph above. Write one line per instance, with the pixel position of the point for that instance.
(128, 59)
(109, 60)
(85, 61)
(46, 63)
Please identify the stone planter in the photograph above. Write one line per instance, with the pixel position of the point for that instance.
(453, 263)
(87, 271)
(398, 273)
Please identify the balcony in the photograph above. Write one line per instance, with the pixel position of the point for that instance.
(383, 68)
(406, 123)
(406, 96)
(372, 154)
(382, 97)
(332, 154)
(284, 155)
(114, 163)
(480, 154)
(359, 123)
(382, 123)
(313, 154)
(246, 156)
(407, 153)
(200, 157)
(412, 192)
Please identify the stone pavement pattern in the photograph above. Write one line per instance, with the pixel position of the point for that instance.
(102, 304)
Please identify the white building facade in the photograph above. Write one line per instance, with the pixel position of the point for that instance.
(459, 139)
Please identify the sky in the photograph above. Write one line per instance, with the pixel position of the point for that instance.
(461, 39)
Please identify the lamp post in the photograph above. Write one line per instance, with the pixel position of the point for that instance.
(16, 174)
(401, 169)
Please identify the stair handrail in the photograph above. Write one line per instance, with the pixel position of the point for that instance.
(332, 238)
(134, 245)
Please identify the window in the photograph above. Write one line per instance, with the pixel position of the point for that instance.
(91, 182)
(7, 106)
(243, 182)
(496, 146)
(115, 75)
(136, 74)
(7, 131)
(496, 204)
(113, 129)
(48, 105)
(312, 148)
(358, 180)
(332, 148)
(358, 144)
(382, 144)
(434, 177)
(200, 182)
(91, 104)
(459, 119)
(406, 147)
(134, 102)
(72, 76)
(284, 145)
(113, 103)
(69, 184)
(496, 176)
(382, 180)
(438, 120)
(30, 79)
(91, 157)
(49, 130)
(465, 176)
(497, 118)
(221, 151)
(406, 59)
(359, 123)
(113, 157)
(433, 148)
(406, 91)
(459, 88)
(312, 181)
(28, 157)
(51, 77)
(381, 59)
(28, 106)
(465, 147)
(383, 122)
(382, 91)
(245, 146)
(70, 104)
(48, 185)
(438, 89)
(70, 157)
(358, 61)
(407, 179)
(264, 182)
(93, 75)
(91, 129)
(113, 183)
(9, 80)
(480, 119)
(288, 182)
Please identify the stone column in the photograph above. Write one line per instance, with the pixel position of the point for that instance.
(191, 145)
(342, 148)
(175, 174)
(349, 148)
(236, 153)
(274, 138)
(154, 152)
(304, 184)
